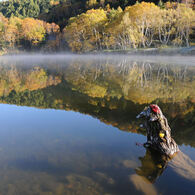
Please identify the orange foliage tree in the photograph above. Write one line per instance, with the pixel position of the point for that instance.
(33, 30)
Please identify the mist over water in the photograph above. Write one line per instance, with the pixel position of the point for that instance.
(68, 124)
(33, 58)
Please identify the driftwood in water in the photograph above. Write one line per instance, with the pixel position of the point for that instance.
(158, 131)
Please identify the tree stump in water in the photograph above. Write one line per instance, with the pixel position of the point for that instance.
(158, 131)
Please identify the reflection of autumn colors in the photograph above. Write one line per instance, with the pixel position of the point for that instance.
(112, 91)
(65, 152)
(33, 79)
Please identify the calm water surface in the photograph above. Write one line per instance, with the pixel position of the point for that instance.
(68, 125)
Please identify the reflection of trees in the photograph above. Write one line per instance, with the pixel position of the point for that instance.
(113, 91)
(35, 78)
(117, 112)
(131, 80)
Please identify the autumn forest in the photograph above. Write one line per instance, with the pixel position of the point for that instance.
(76, 26)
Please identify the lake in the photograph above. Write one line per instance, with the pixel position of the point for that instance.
(68, 124)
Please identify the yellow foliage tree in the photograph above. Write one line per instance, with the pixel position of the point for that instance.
(166, 28)
(121, 33)
(3, 26)
(33, 30)
(185, 17)
(13, 31)
(143, 17)
(83, 31)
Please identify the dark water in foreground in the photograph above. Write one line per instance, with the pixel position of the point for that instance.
(68, 126)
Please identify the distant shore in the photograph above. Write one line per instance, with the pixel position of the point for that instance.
(186, 51)
(153, 51)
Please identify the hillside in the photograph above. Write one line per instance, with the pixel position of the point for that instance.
(83, 26)
(59, 11)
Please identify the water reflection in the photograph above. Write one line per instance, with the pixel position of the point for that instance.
(142, 184)
(184, 166)
(105, 88)
(59, 152)
(152, 165)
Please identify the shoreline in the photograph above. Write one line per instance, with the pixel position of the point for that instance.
(181, 51)
(153, 51)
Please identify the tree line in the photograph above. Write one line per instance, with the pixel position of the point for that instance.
(59, 11)
(141, 25)
(27, 33)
